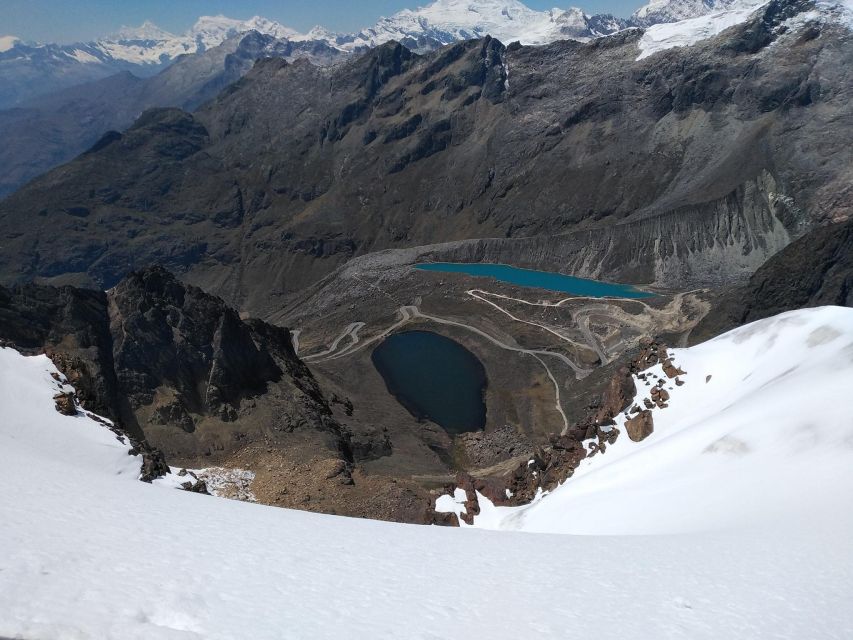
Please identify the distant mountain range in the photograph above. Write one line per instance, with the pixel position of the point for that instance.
(296, 169)
(30, 69)
(57, 100)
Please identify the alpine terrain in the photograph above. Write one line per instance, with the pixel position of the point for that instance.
(483, 321)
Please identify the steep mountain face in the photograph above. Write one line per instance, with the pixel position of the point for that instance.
(701, 167)
(816, 270)
(50, 130)
(174, 365)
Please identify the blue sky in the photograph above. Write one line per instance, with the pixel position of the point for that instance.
(73, 20)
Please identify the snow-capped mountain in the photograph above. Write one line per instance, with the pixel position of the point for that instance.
(28, 69)
(687, 31)
(445, 21)
(658, 11)
(148, 44)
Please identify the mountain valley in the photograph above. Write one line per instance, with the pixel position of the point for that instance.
(478, 266)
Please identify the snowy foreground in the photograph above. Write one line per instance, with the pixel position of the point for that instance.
(741, 496)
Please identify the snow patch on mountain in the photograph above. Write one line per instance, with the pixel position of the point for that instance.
(147, 31)
(840, 11)
(759, 435)
(658, 11)
(685, 33)
(211, 31)
(721, 16)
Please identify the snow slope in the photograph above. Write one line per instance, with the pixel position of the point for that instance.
(666, 34)
(89, 552)
(766, 442)
(686, 32)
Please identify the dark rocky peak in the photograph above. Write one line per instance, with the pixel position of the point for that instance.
(71, 326)
(175, 367)
(381, 64)
(169, 122)
(360, 83)
(165, 134)
(265, 66)
(472, 63)
(171, 334)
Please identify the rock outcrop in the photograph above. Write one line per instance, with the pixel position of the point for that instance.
(175, 368)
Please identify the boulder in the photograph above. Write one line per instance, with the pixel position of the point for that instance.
(65, 404)
(671, 370)
(641, 426)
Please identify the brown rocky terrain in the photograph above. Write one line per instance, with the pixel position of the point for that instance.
(180, 372)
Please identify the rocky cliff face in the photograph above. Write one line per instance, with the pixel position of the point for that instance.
(815, 270)
(690, 166)
(72, 327)
(175, 366)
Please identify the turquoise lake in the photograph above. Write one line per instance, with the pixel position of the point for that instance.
(537, 279)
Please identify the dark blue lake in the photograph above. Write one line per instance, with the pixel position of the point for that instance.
(538, 279)
(435, 378)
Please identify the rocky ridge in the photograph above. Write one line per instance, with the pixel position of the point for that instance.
(77, 117)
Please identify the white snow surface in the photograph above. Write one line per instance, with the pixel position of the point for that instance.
(684, 33)
(766, 442)
(451, 20)
(722, 15)
(90, 552)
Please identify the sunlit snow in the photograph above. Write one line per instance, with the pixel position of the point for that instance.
(90, 552)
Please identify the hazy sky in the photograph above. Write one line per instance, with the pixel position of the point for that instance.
(74, 20)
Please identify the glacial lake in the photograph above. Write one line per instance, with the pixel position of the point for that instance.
(435, 378)
(537, 279)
